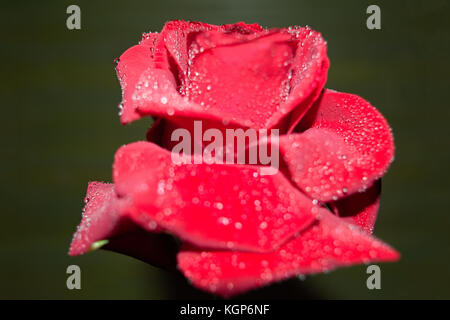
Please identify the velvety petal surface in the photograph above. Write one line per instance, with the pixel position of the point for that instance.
(102, 218)
(328, 244)
(210, 205)
(346, 146)
(247, 80)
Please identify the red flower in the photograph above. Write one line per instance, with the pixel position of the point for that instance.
(240, 229)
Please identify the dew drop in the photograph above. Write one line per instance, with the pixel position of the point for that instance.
(224, 220)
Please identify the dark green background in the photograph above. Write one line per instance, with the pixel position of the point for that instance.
(60, 129)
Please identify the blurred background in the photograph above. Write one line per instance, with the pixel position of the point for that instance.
(60, 129)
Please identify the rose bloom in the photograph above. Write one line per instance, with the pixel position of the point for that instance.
(226, 227)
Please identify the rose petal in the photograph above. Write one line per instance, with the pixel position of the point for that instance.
(308, 76)
(217, 205)
(360, 209)
(102, 218)
(347, 146)
(245, 79)
(129, 69)
(175, 37)
(104, 221)
(328, 244)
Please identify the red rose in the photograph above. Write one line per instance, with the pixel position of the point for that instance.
(240, 229)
